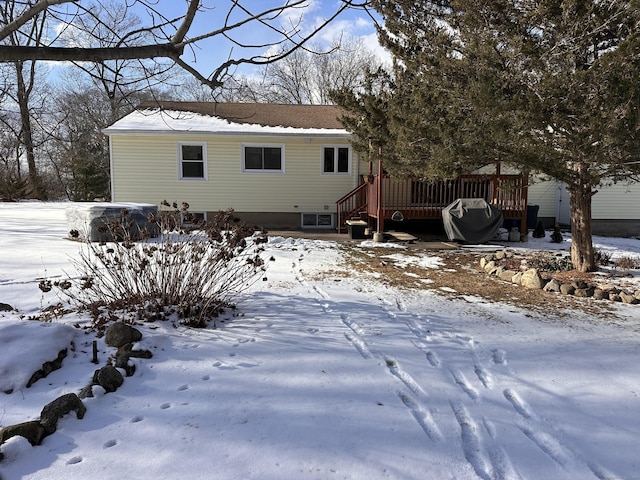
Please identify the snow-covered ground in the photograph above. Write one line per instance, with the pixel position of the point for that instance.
(324, 377)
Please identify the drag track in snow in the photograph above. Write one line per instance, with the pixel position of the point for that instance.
(462, 394)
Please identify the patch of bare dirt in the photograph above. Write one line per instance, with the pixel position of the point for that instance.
(459, 275)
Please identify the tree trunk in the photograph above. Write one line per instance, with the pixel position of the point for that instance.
(22, 96)
(582, 251)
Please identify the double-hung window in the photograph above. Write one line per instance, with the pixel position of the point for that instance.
(336, 160)
(192, 161)
(263, 158)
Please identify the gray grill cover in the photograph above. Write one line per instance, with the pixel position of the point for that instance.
(471, 220)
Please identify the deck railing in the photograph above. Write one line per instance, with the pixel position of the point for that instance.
(425, 199)
(351, 205)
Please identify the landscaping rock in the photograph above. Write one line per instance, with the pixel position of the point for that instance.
(493, 264)
(584, 292)
(123, 355)
(5, 307)
(517, 278)
(600, 294)
(567, 289)
(109, 378)
(552, 286)
(490, 266)
(579, 284)
(532, 279)
(120, 334)
(32, 431)
(47, 368)
(57, 409)
(507, 275)
(628, 298)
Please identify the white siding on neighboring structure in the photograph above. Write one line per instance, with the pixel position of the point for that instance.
(145, 169)
(545, 195)
(620, 202)
(612, 202)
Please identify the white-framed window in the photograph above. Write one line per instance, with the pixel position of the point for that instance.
(192, 161)
(262, 158)
(336, 160)
(317, 220)
(193, 220)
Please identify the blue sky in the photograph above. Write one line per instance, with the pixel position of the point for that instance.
(210, 53)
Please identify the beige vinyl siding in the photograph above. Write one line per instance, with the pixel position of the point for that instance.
(145, 169)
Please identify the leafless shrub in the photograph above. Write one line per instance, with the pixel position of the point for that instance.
(189, 274)
(627, 263)
(547, 262)
(602, 258)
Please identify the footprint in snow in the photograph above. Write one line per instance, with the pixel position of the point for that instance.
(164, 406)
(109, 444)
(499, 356)
(74, 460)
(206, 377)
(137, 418)
(182, 388)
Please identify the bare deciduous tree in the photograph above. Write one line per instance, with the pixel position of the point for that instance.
(163, 36)
(308, 75)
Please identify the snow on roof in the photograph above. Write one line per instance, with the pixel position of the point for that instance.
(160, 120)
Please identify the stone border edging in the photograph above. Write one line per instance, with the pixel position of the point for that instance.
(119, 335)
(532, 279)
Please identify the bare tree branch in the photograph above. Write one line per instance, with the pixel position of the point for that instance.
(159, 37)
(28, 15)
(99, 54)
(186, 23)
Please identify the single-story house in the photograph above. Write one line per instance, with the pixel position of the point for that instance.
(275, 165)
(292, 166)
(287, 166)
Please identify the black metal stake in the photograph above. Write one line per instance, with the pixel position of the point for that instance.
(95, 352)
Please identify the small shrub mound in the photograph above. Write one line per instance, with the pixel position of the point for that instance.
(548, 262)
(189, 274)
(627, 263)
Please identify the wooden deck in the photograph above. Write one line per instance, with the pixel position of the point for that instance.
(379, 198)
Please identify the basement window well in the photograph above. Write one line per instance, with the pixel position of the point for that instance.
(317, 220)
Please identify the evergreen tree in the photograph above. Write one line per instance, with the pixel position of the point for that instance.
(548, 85)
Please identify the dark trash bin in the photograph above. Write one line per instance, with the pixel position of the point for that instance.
(357, 229)
(532, 216)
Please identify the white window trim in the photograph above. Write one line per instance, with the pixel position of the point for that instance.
(184, 223)
(335, 147)
(302, 225)
(253, 171)
(204, 162)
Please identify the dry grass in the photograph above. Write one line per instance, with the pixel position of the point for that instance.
(459, 275)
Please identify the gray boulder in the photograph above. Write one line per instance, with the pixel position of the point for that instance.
(120, 334)
(567, 289)
(109, 378)
(32, 431)
(57, 409)
(532, 279)
(552, 286)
